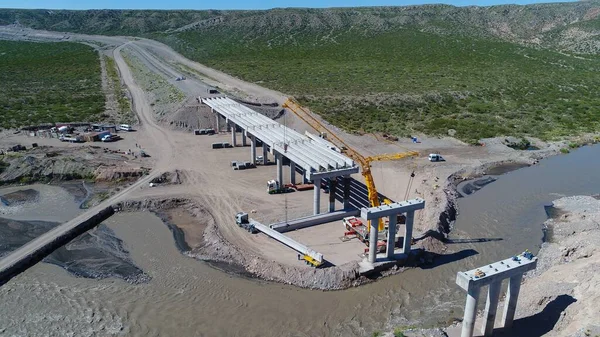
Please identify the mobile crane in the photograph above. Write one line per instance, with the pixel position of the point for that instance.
(364, 162)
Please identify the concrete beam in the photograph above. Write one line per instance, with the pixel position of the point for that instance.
(288, 241)
(496, 271)
(332, 173)
(392, 209)
(312, 220)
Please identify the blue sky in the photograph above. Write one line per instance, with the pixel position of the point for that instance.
(233, 4)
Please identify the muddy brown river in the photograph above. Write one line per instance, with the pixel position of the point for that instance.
(186, 297)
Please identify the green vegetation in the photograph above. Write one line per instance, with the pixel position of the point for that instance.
(125, 115)
(398, 332)
(565, 150)
(377, 334)
(436, 69)
(405, 80)
(48, 82)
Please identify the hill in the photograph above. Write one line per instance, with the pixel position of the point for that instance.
(472, 71)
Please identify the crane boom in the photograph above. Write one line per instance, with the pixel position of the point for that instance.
(365, 163)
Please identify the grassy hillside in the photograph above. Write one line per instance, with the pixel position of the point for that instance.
(48, 82)
(470, 71)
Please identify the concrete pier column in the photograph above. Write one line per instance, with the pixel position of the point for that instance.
(332, 191)
(317, 201)
(279, 161)
(346, 192)
(233, 138)
(265, 154)
(391, 236)
(470, 312)
(491, 307)
(244, 138)
(253, 149)
(510, 303)
(218, 120)
(292, 172)
(410, 218)
(373, 236)
(304, 178)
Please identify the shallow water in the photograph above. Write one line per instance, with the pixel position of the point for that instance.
(187, 297)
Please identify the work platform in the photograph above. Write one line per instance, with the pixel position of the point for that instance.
(316, 158)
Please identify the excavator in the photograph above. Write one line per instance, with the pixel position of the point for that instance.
(364, 162)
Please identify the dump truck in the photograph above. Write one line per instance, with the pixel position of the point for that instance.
(241, 219)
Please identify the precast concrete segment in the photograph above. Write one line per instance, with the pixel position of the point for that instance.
(373, 236)
(470, 312)
(510, 303)
(391, 237)
(491, 306)
(312, 220)
(307, 153)
(37, 249)
(317, 196)
(287, 241)
(408, 229)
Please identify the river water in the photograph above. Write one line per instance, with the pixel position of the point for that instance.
(186, 297)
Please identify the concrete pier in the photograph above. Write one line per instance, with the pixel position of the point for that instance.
(493, 275)
(317, 199)
(491, 307)
(346, 199)
(373, 235)
(244, 138)
(233, 135)
(410, 219)
(512, 295)
(265, 154)
(470, 312)
(253, 149)
(391, 236)
(292, 173)
(218, 126)
(332, 190)
(279, 161)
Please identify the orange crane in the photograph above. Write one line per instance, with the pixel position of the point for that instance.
(364, 162)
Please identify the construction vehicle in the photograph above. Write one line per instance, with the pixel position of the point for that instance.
(355, 227)
(241, 219)
(364, 162)
(274, 188)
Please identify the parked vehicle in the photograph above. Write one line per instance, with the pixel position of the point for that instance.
(435, 157)
(125, 127)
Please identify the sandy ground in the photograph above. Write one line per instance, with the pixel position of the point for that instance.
(210, 181)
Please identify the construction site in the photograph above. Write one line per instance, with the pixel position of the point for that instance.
(332, 213)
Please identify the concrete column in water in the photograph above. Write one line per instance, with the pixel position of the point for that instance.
(373, 237)
(292, 172)
(470, 312)
(410, 217)
(510, 303)
(391, 236)
(233, 139)
(244, 138)
(346, 192)
(279, 160)
(332, 191)
(317, 201)
(265, 154)
(491, 306)
(253, 149)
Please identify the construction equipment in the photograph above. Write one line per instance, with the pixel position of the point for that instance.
(365, 163)
(241, 219)
(273, 187)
